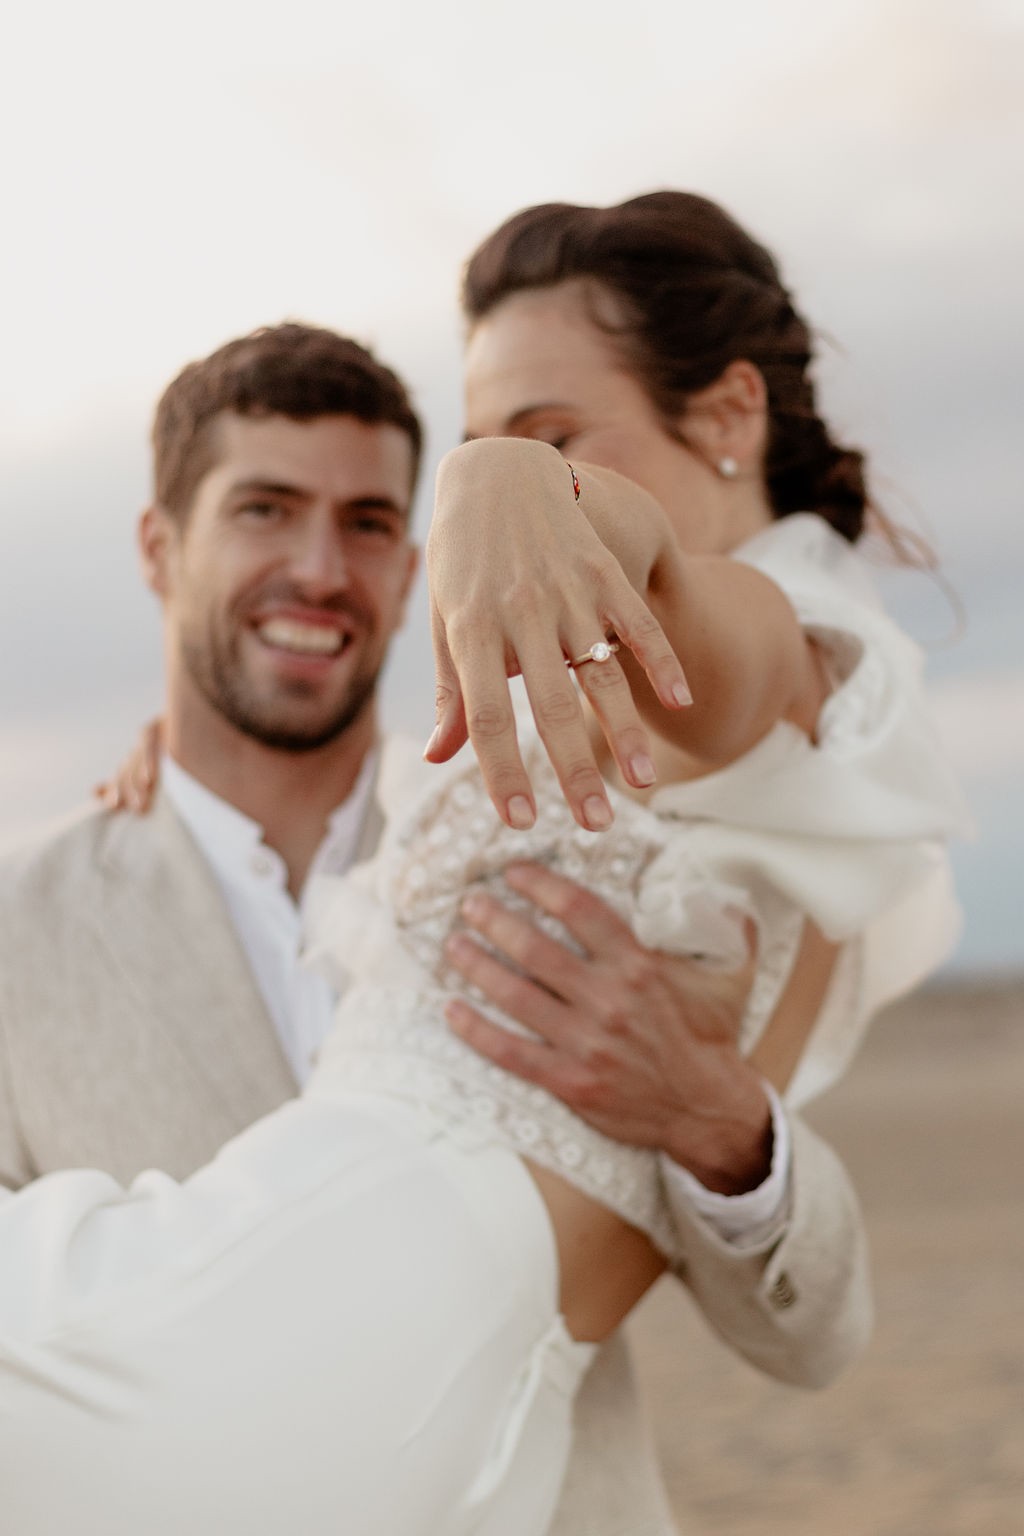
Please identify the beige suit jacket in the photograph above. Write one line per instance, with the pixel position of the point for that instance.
(132, 1035)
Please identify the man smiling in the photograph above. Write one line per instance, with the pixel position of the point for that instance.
(298, 539)
(283, 577)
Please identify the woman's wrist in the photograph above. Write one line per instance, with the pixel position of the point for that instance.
(631, 525)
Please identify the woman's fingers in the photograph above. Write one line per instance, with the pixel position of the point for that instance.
(639, 632)
(473, 699)
(535, 644)
(483, 674)
(611, 698)
(608, 691)
(450, 731)
(562, 727)
(637, 635)
(141, 778)
(133, 785)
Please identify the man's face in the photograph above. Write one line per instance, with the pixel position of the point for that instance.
(288, 577)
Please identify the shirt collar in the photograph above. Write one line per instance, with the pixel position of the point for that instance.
(215, 823)
(229, 838)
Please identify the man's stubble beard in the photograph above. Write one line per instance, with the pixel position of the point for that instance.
(217, 674)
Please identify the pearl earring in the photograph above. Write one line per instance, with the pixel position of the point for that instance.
(728, 468)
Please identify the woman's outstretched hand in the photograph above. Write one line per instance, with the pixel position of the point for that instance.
(523, 578)
(133, 784)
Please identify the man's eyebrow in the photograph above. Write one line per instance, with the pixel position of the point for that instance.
(385, 503)
(268, 487)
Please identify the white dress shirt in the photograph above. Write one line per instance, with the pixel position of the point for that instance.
(269, 922)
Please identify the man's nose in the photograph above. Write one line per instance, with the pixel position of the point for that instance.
(318, 559)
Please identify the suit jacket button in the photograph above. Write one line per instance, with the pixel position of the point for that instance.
(783, 1292)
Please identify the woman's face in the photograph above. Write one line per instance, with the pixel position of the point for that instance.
(537, 366)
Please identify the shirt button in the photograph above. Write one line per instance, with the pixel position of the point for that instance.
(261, 864)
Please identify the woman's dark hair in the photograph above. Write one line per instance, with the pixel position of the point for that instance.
(696, 293)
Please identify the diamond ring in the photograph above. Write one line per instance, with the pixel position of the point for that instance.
(601, 650)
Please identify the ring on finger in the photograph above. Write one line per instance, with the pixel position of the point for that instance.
(601, 651)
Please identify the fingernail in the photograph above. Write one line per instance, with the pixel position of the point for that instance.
(642, 770)
(432, 743)
(456, 947)
(474, 905)
(597, 813)
(458, 1016)
(520, 813)
(681, 694)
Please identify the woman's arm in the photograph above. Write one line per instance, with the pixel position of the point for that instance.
(747, 660)
(777, 1053)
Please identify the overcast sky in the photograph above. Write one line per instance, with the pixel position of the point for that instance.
(176, 175)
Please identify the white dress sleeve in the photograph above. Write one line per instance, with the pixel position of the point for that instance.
(851, 829)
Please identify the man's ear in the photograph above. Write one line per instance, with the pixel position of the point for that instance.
(729, 419)
(158, 535)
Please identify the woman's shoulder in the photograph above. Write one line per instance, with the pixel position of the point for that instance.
(812, 564)
(876, 669)
(877, 760)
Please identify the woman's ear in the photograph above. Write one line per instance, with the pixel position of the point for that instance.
(158, 536)
(727, 423)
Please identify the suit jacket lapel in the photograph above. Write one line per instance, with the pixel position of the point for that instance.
(161, 913)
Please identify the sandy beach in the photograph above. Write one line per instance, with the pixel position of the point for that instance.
(925, 1435)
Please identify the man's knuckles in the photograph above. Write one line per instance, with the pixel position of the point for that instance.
(638, 974)
(586, 1091)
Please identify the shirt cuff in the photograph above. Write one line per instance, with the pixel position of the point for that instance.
(747, 1221)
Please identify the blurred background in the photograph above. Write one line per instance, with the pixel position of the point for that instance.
(176, 175)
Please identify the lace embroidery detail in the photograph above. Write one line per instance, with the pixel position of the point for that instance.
(393, 916)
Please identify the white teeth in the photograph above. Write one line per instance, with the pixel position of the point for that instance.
(306, 639)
